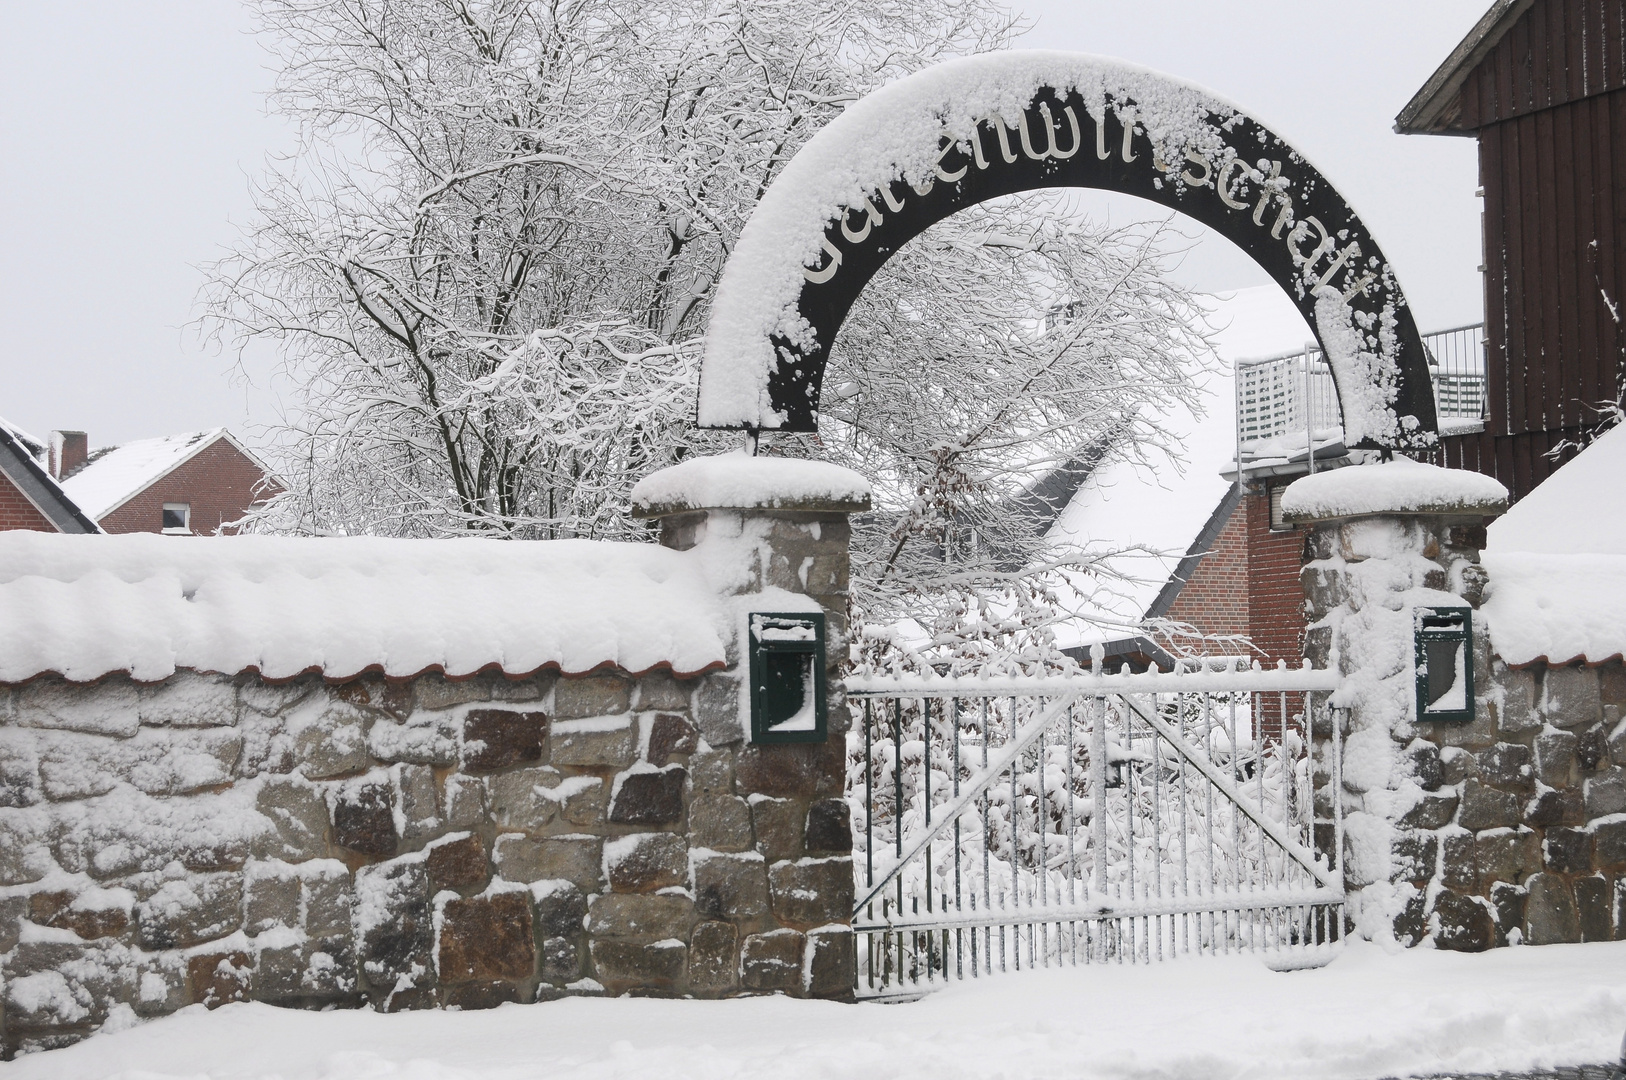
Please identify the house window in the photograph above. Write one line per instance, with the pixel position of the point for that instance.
(178, 518)
(1277, 522)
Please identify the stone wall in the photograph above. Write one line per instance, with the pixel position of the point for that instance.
(425, 843)
(1511, 828)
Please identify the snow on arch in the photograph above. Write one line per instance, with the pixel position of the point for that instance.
(975, 128)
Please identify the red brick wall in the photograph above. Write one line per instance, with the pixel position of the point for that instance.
(1215, 600)
(219, 482)
(1275, 597)
(16, 512)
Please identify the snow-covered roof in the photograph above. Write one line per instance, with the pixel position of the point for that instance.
(1557, 563)
(34, 446)
(1164, 507)
(22, 461)
(116, 474)
(85, 607)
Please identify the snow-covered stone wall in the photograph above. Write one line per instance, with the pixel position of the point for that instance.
(428, 841)
(1510, 828)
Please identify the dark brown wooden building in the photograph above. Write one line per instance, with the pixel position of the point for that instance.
(1542, 85)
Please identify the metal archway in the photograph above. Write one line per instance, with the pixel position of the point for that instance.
(970, 130)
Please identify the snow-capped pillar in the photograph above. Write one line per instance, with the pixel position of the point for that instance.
(1384, 540)
(769, 832)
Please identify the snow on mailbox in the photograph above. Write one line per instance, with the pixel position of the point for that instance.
(1443, 638)
(787, 677)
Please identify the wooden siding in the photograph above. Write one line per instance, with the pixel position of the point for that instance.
(1560, 51)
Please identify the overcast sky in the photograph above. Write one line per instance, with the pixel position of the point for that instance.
(129, 131)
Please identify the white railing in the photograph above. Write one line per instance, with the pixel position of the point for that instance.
(1283, 400)
(1010, 823)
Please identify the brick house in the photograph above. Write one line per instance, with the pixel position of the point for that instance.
(30, 498)
(196, 483)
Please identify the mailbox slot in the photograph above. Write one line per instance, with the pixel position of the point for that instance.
(787, 677)
(1444, 640)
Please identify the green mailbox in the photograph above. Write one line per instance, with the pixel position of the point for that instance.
(787, 677)
(1444, 642)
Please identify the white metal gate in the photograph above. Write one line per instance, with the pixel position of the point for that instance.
(980, 847)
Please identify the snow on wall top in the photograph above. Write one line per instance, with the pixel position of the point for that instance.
(1555, 608)
(891, 133)
(1580, 509)
(114, 475)
(88, 606)
(740, 481)
(1397, 486)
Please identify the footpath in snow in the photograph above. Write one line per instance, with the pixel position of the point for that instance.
(1367, 1015)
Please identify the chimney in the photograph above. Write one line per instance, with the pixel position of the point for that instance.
(69, 449)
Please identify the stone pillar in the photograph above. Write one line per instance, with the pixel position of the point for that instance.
(769, 828)
(1381, 541)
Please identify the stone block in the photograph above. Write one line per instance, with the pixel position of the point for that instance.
(671, 734)
(659, 690)
(1456, 765)
(719, 823)
(1423, 758)
(186, 699)
(578, 800)
(42, 1003)
(1485, 807)
(649, 796)
(714, 957)
(648, 916)
(1549, 911)
(829, 827)
(591, 695)
(376, 693)
(1508, 901)
(812, 892)
(190, 910)
(13, 910)
(623, 965)
(220, 978)
(561, 960)
(1592, 751)
(474, 996)
(495, 739)
(1459, 866)
(560, 909)
(421, 739)
(1514, 700)
(1609, 844)
(395, 926)
(271, 897)
(1605, 793)
(109, 706)
(334, 744)
(19, 769)
(595, 741)
(731, 886)
(717, 710)
(363, 820)
(793, 770)
(299, 819)
(1462, 924)
(1551, 806)
(329, 898)
(1616, 737)
(516, 798)
(487, 937)
(1555, 758)
(1567, 851)
(778, 825)
(712, 771)
(91, 915)
(1415, 854)
(576, 859)
(1505, 765)
(274, 699)
(160, 985)
(420, 810)
(433, 690)
(645, 862)
(457, 863)
(773, 961)
(1592, 909)
(1433, 811)
(1507, 855)
(465, 801)
(279, 972)
(1570, 697)
(832, 963)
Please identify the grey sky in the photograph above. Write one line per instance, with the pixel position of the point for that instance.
(128, 133)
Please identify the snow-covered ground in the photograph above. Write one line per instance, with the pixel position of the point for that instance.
(1368, 1014)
